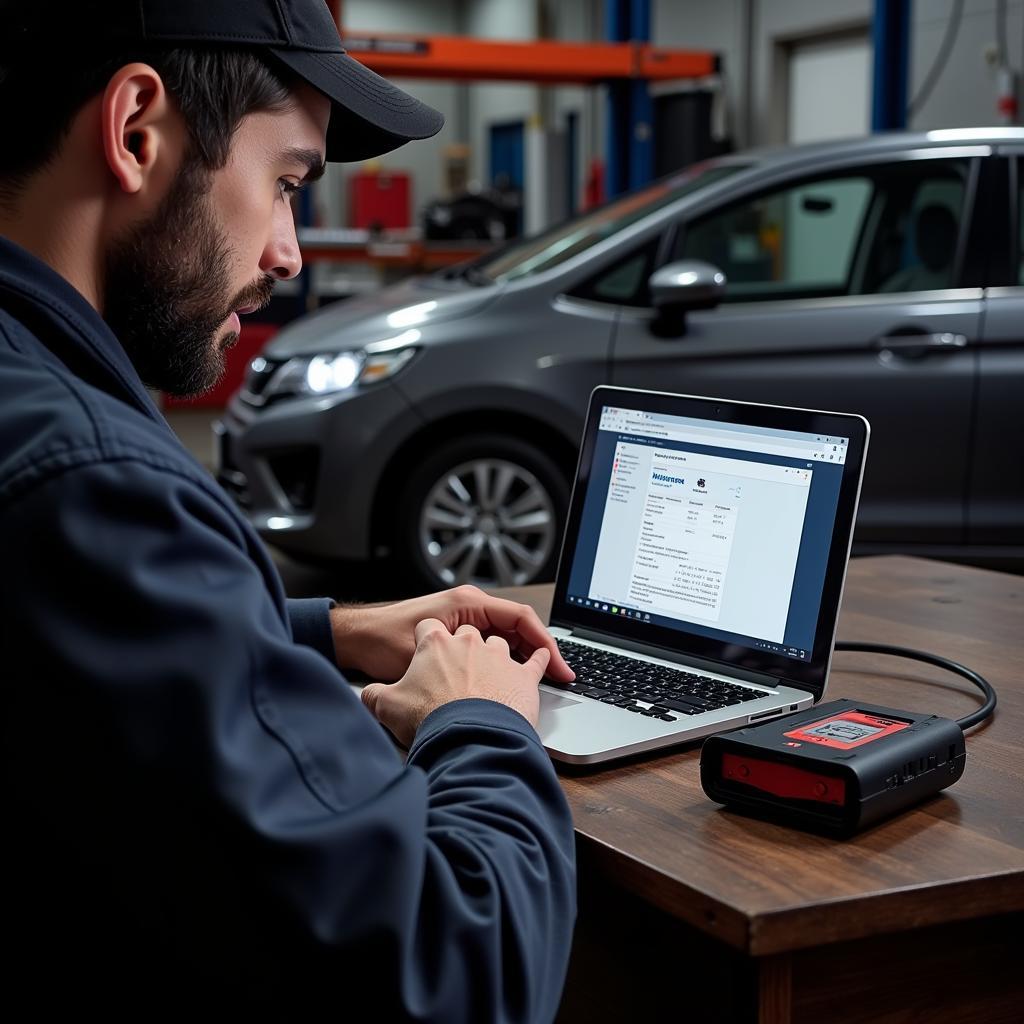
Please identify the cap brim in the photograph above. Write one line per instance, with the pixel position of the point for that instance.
(369, 115)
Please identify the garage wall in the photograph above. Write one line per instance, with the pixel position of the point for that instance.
(470, 109)
(717, 25)
(499, 102)
(755, 37)
(421, 159)
(543, 109)
(830, 88)
(965, 94)
(780, 27)
(578, 21)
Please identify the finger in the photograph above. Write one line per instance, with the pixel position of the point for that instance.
(510, 638)
(518, 645)
(508, 616)
(427, 626)
(466, 628)
(371, 695)
(537, 663)
(500, 642)
(382, 705)
(530, 636)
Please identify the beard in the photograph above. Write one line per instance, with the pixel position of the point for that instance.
(166, 290)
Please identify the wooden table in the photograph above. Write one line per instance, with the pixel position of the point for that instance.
(690, 912)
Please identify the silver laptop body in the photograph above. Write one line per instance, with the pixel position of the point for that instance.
(702, 569)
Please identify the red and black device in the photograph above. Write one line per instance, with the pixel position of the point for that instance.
(836, 767)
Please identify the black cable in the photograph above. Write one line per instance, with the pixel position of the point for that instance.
(1001, 36)
(939, 65)
(934, 659)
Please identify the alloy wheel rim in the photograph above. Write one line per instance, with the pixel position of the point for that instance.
(488, 522)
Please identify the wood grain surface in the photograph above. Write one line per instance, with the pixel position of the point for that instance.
(765, 889)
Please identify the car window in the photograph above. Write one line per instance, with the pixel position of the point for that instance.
(549, 249)
(1020, 222)
(625, 281)
(794, 241)
(890, 229)
(916, 228)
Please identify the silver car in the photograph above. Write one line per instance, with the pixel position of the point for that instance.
(437, 421)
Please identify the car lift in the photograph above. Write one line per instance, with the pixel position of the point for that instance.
(626, 63)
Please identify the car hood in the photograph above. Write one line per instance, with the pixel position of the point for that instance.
(383, 315)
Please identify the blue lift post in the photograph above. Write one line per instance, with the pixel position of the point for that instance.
(891, 37)
(630, 162)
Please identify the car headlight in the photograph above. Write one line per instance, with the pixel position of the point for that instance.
(330, 372)
(325, 374)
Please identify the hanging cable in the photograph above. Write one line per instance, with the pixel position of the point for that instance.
(1006, 77)
(1001, 38)
(939, 64)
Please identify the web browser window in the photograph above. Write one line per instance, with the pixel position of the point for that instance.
(718, 529)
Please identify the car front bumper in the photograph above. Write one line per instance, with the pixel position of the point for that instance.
(305, 471)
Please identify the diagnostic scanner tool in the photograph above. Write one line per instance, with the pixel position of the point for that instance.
(836, 767)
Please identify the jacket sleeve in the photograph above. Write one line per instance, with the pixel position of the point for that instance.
(226, 777)
(311, 625)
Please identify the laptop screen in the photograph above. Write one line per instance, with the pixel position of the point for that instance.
(716, 529)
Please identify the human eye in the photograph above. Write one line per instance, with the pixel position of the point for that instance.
(289, 188)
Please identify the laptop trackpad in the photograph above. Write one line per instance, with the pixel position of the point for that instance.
(554, 701)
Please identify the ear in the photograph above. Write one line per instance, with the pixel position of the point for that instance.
(138, 121)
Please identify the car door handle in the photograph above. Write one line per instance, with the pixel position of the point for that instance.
(911, 346)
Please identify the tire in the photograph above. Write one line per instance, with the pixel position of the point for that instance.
(487, 510)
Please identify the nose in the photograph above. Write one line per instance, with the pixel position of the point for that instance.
(281, 257)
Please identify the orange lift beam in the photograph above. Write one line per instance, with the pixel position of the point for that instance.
(458, 57)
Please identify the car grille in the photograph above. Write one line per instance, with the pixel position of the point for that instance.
(257, 378)
(296, 471)
(229, 476)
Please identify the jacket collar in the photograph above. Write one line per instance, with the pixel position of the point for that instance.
(72, 330)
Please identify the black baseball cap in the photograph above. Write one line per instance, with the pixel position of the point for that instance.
(369, 115)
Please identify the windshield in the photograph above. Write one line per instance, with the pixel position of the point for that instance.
(541, 252)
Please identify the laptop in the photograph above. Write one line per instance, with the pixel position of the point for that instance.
(702, 569)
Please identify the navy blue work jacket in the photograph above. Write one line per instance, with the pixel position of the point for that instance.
(194, 799)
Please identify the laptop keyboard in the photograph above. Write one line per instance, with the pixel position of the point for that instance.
(632, 685)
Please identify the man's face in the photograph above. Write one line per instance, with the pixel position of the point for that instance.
(177, 282)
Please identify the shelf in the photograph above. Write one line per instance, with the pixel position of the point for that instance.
(393, 249)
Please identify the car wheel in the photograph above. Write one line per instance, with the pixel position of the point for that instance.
(487, 510)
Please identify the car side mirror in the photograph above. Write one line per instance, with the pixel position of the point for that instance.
(680, 288)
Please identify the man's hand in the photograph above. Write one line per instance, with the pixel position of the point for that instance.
(379, 640)
(448, 667)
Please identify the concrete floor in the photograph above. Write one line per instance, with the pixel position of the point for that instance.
(193, 428)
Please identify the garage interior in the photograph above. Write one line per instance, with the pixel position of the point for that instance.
(754, 209)
(538, 130)
(763, 73)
